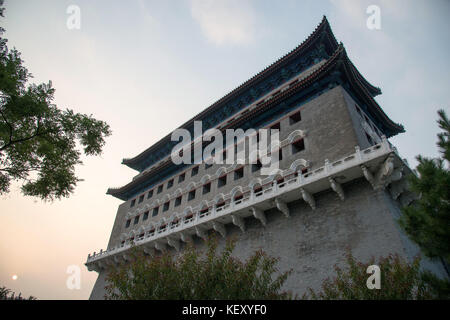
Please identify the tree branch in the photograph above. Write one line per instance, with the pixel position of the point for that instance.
(10, 129)
(36, 134)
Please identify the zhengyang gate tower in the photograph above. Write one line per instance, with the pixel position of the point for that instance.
(340, 184)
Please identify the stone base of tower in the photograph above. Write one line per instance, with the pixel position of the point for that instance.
(311, 241)
(98, 291)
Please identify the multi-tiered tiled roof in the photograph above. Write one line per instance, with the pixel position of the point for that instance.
(249, 99)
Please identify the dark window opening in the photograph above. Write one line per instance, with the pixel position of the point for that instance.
(141, 235)
(256, 166)
(304, 170)
(181, 177)
(133, 202)
(188, 217)
(239, 197)
(141, 198)
(150, 194)
(222, 181)
(257, 189)
(203, 211)
(136, 219)
(194, 171)
(155, 211)
(145, 215)
(166, 206)
(276, 126)
(239, 173)
(207, 188)
(128, 223)
(191, 195)
(280, 180)
(207, 165)
(178, 201)
(280, 154)
(294, 118)
(169, 184)
(298, 146)
(160, 188)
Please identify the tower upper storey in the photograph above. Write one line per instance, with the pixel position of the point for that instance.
(320, 58)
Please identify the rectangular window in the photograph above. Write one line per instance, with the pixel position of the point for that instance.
(239, 173)
(298, 146)
(194, 171)
(222, 181)
(294, 118)
(207, 188)
(178, 201)
(133, 202)
(169, 184)
(181, 177)
(150, 194)
(155, 211)
(166, 206)
(160, 188)
(136, 219)
(256, 166)
(280, 154)
(127, 224)
(276, 126)
(141, 198)
(145, 215)
(191, 195)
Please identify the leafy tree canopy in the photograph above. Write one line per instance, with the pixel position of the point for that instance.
(38, 141)
(193, 276)
(427, 220)
(399, 280)
(7, 294)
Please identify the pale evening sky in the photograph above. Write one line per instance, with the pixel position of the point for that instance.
(146, 67)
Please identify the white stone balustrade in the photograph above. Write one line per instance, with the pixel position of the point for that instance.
(292, 180)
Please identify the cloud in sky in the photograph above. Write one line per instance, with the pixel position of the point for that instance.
(225, 22)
